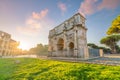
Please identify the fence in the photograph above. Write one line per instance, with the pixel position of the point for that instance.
(94, 53)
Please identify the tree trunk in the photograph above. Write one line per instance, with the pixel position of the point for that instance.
(113, 49)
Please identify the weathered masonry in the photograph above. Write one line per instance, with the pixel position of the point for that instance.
(8, 46)
(69, 38)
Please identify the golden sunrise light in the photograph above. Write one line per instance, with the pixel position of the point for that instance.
(59, 39)
(23, 46)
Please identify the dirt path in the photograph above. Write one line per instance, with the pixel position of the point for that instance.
(113, 59)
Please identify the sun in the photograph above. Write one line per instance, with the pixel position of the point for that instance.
(24, 46)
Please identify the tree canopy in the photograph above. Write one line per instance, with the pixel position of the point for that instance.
(111, 41)
(115, 26)
(40, 49)
(92, 45)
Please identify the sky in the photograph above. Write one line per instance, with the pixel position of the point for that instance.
(29, 21)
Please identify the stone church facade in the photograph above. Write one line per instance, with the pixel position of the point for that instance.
(69, 38)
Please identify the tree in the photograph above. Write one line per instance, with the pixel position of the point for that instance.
(111, 41)
(117, 48)
(39, 49)
(92, 45)
(105, 50)
(115, 26)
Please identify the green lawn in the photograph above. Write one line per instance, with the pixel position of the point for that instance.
(37, 69)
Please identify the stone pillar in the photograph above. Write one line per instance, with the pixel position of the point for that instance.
(86, 53)
(101, 52)
(65, 44)
(68, 53)
(75, 42)
(78, 19)
(64, 39)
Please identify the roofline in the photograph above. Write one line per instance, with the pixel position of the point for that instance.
(80, 15)
(5, 32)
(69, 19)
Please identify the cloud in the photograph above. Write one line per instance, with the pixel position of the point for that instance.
(108, 4)
(36, 23)
(40, 15)
(62, 7)
(89, 7)
(32, 27)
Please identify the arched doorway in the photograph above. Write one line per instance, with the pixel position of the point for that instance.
(60, 44)
(71, 49)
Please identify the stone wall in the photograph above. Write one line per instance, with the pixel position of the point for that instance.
(8, 46)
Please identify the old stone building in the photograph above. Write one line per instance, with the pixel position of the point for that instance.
(8, 46)
(13, 47)
(69, 38)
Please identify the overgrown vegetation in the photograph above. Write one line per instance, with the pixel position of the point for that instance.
(37, 69)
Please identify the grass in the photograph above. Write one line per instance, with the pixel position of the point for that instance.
(38, 69)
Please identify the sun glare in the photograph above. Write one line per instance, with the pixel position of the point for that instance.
(23, 46)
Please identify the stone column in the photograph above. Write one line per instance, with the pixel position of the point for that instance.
(75, 42)
(78, 19)
(101, 52)
(65, 44)
(86, 53)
